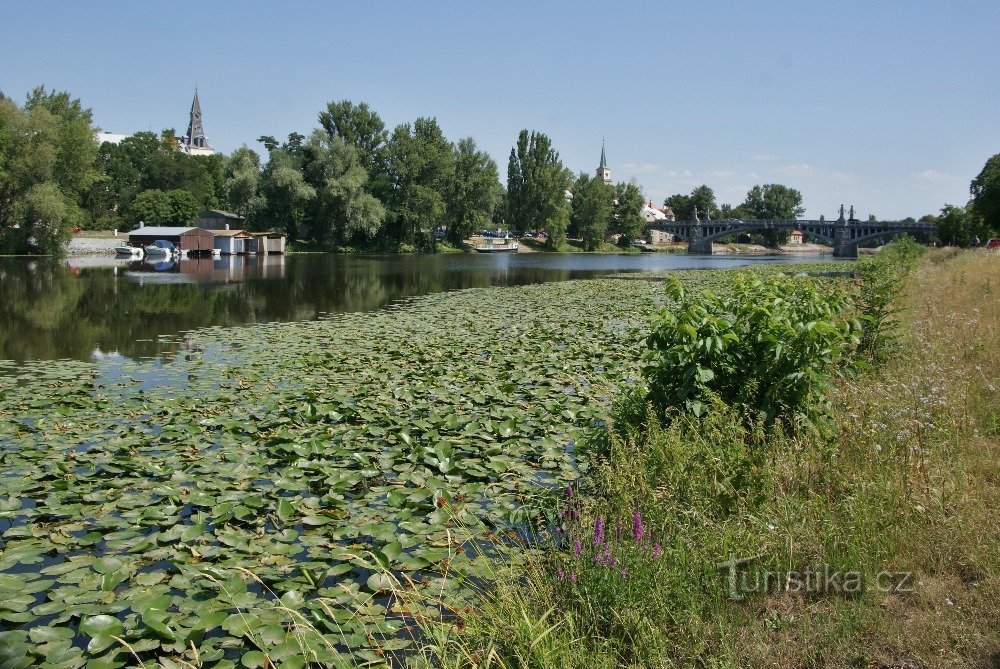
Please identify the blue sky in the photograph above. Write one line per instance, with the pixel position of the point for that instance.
(890, 106)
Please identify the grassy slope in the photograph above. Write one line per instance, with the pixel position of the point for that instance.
(908, 483)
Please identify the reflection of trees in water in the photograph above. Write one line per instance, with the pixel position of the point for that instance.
(49, 311)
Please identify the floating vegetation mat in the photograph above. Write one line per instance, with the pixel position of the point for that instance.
(267, 506)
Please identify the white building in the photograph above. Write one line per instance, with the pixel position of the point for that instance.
(102, 136)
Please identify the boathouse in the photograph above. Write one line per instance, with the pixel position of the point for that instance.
(216, 219)
(232, 242)
(185, 239)
(266, 242)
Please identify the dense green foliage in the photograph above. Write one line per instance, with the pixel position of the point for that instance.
(536, 186)
(765, 347)
(47, 156)
(146, 162)
(961, 226)
(176, 207)
(628, 205)
(593, 207)
(683, 206)
(985, 190)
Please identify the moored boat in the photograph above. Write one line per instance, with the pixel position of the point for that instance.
(497, 246)
(129, 251)
(160, 248)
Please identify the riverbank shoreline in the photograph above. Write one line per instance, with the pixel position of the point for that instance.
(714, 542)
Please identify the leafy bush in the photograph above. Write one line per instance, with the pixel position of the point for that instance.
(765, 348)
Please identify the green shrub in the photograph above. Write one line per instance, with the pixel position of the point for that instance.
(764, 348)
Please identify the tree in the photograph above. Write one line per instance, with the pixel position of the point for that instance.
(474, 194)
(341, 210)
(47, 154)
(421, 164)
(360, 127)
(701, 197)
(773, 202)
(170, 208)
(960, 226)
(286, 195)
(151, 207)
(985, 189)
(536, 187)
(628, 219)
(242, 180)
(592, 210)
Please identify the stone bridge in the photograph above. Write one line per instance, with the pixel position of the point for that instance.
(844, 234)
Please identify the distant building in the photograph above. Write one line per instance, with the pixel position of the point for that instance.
(603, 171)
(660, 237)
(215, 219)
(651, 214)
(795, 237)
(195, 143)
(102, 136)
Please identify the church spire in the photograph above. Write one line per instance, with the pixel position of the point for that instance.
(196, 141)
(603, 172)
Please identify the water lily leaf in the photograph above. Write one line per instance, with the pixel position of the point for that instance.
(254, 660)
(379, 581)
(101, 628)
(285, 509)
(40, 635)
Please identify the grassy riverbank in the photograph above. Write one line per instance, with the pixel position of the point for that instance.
(879, 531)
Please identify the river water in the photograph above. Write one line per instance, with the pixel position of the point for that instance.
(95, 308)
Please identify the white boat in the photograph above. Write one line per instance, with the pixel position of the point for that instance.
(161, 248)
(503, 245)
(129, 251)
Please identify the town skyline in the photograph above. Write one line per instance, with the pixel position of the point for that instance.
(897, 126)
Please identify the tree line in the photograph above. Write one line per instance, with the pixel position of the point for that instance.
(349, 184)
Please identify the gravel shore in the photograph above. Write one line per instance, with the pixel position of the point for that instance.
(85, 246)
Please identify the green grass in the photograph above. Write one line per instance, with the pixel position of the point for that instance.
(900, 480)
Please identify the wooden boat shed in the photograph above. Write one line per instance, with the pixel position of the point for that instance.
(186, 239)
(232, 242)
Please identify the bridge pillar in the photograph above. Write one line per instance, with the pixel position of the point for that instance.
(699, 246)
(843, 247)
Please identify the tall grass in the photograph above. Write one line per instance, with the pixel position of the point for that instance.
(906, 481)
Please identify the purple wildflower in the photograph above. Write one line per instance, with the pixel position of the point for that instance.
(577, 548)
(637, 528)
(569, 492)
(559, 573)
(624, 573)
(572, 577)
(657, 551)
(599, 531)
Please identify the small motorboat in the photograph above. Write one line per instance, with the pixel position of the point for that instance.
(501, 245)
(161, 248)
(126, 251)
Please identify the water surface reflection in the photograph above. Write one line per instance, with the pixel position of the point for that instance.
(102, 308)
